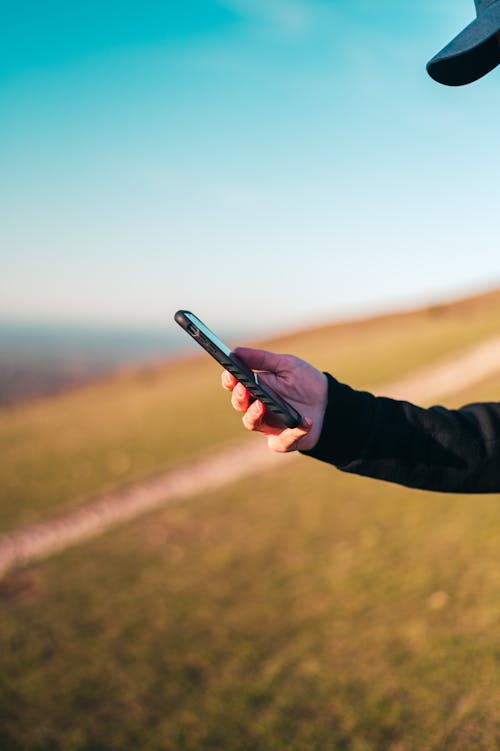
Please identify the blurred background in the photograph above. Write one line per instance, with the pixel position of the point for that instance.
(288, 171)
(268, 164)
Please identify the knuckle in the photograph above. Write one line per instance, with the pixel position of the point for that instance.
(289, 361)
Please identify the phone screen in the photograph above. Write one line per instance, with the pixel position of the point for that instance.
(208, 333)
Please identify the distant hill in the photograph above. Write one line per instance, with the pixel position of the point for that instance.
(41, 361)
(140, 421)
(471, 305)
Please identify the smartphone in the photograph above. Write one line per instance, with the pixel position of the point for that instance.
(273, 403)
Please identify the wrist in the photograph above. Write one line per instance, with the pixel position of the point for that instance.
(309, 441)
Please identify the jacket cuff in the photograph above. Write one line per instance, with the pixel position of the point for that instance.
(347, 424)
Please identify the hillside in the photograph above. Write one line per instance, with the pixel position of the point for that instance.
(300, 609)
(63, 450)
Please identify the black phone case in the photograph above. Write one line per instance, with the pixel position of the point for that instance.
(272, 402)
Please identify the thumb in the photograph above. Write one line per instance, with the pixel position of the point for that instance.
(288, 439)
(260, 359)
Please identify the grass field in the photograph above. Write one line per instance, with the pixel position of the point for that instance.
(304, 609)
(67, 449)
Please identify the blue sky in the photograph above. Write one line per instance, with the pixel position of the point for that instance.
(272, 162)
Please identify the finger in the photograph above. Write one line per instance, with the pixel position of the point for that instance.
(260, 359)
(240, 398)
(252, 419)
(228, 381)
(288, 439)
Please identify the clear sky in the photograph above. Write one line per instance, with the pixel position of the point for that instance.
(278, 162)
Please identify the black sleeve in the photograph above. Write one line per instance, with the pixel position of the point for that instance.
(435, 449)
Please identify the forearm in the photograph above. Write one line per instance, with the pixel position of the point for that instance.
(433, 449)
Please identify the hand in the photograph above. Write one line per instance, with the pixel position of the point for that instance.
(297, 382)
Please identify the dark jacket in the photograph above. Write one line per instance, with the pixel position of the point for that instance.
(434, 449)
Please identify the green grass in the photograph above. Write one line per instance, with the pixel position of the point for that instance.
(304, 609)
(377, 350)
(65, 450)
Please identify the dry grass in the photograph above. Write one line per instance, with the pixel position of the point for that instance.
(304, 609)
(62, 451)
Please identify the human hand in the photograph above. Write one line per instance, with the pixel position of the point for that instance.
(297, 382)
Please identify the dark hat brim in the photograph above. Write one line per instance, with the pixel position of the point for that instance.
(472, 54)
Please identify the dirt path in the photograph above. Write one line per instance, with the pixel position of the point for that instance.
(246, 459)
(448, 376)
